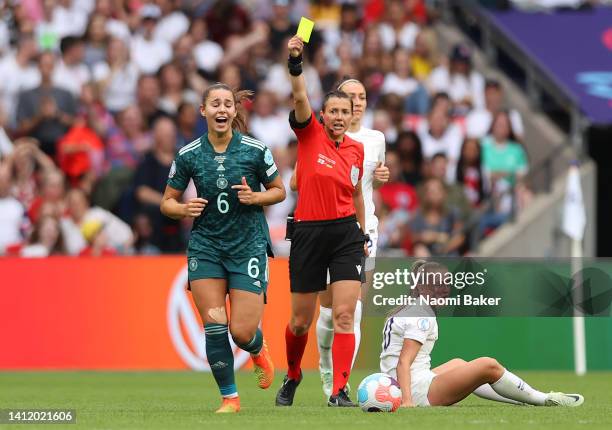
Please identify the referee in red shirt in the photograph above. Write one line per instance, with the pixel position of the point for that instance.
(328, 235)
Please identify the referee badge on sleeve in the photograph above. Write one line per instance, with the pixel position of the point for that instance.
(354, 175)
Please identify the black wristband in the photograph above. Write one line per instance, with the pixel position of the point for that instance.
(294, 64)
(366, 238)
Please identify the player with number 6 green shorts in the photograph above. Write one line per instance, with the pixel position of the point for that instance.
(230, 242)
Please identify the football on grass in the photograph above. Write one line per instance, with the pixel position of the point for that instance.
(379, 393)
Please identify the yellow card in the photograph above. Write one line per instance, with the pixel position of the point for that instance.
(305, 29)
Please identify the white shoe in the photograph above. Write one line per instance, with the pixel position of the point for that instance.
(562, 399)
(327, 379)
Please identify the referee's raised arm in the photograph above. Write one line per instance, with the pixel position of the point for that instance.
(301, 104)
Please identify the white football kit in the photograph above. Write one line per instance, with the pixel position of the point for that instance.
(425, 331)
(373, 142)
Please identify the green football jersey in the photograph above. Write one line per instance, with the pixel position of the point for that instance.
(226, 227)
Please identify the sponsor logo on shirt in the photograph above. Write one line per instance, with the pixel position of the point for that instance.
(326, 161)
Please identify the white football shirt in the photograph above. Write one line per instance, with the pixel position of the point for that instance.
(373, 142)
(422, 329)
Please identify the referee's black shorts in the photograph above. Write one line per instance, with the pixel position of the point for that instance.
(317, 246)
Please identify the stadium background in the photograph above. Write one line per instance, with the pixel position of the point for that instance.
(132, 74)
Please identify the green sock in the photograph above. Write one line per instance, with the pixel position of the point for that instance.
(220, 358)
(254, 346)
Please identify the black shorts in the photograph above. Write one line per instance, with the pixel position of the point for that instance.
(319, 246)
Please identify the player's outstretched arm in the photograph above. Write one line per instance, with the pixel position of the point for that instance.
(410, 348)
(301, 103)
(172, 207)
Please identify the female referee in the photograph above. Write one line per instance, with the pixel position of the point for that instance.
(407, 345)
(230, 243)
(328, 235)
(375, 173)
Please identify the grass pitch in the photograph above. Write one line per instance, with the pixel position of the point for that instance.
(187, 400)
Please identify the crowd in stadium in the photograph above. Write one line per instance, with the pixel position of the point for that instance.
(98, 95)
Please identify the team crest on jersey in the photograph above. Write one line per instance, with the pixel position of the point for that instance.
(423, 324)
(268, 159)
(193, 264)
(221, 183)
(354, 175)
(172, 170)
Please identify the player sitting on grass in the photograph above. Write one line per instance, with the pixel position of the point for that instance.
(406, 348)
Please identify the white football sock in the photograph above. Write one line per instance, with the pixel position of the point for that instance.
(486, 392)
(357, 330)
(513, 387)
(325, 338)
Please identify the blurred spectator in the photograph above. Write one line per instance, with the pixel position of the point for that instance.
(18, 73)
(52, 190)
(148, 92)
(504, 162)
(348, 33)
(226, 18)
(46, 239)
(150, 183)
(80, 153)
(27, 164)
(281, 26)
(96, 40)
(436, 229)
(117, 19)
(70, 72)
(186, 123)
(174, 89)
(116, 77)
(52, 26)
(46, 112)
(326, 13)
(207, 54)
(469, 171)
(79, 212)
(400, 82)
(6, 146)
(149, 53)
(458, 78)
(455, 195)
(408, 147)
(398, 30)
(97, 240)
(186, 61)
(267, 123)
(173, 23)
(424, 57)
(396, 194)
(478, 121)
(439, 135)
(143, 236)
(11, 212)
(93, 113)
(128, 141)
